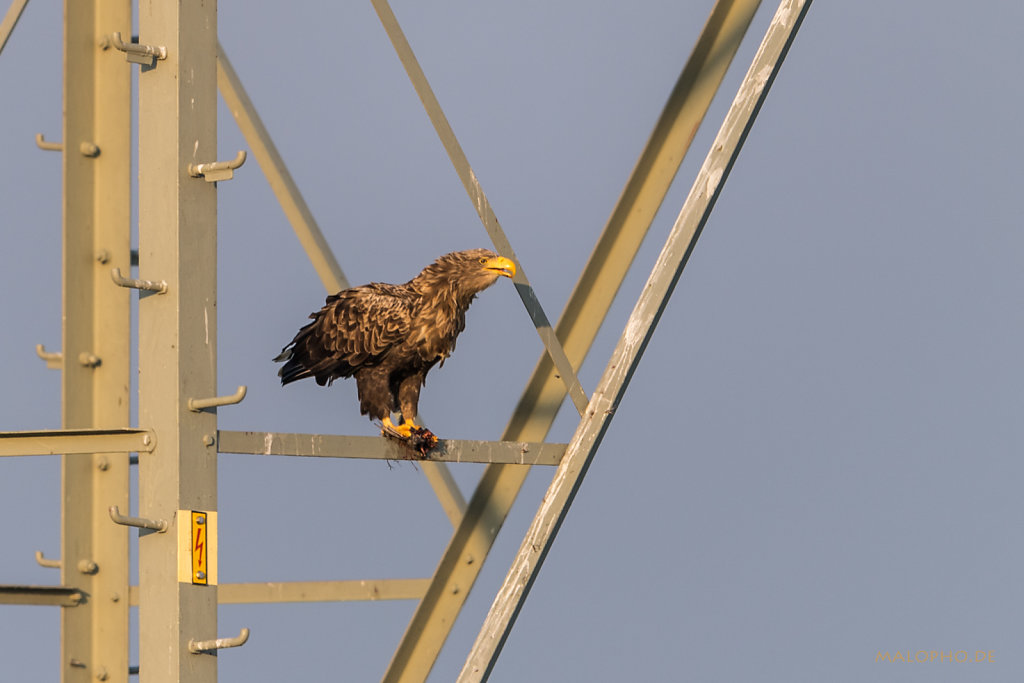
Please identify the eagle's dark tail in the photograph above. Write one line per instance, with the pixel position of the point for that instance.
(293, 369)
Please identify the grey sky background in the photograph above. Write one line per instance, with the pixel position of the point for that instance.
(819, 457)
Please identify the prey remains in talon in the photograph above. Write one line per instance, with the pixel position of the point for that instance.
(418, 439)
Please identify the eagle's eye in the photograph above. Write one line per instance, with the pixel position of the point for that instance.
(483, 260)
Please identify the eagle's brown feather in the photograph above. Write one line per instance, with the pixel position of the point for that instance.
(389, 336)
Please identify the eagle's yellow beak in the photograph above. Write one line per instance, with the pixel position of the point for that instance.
(501, 265)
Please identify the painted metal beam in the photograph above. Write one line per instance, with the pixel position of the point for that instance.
(323, 591)
(313, 591)
(96, 343)
(639, 202)
(317, 249)
(73, 441)
(378, 448)
(55, 596)
(447, 490)
(10, 21)
(280, 179)
(635, 337)
(587, 307)
(479, 199)
(177, 124)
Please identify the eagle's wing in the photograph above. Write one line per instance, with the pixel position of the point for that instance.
(360, 325)
(355, 328)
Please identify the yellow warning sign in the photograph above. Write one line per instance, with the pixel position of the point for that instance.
(197, 547)
(200, 549)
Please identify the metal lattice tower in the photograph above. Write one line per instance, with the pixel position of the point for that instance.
(182, 68)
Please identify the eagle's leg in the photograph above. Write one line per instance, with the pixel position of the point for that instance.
(408, 396)
(418, 438)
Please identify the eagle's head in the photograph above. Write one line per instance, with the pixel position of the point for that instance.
(469, 272)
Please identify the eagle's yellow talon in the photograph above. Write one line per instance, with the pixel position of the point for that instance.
(403, 430)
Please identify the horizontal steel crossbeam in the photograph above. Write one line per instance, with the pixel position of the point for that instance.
(56, 596)
(68, 441)
(313, 591)
(378, 448)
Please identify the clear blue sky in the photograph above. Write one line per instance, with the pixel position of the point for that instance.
(819, 457)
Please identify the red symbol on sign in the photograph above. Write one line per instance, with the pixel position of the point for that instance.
(197, 552)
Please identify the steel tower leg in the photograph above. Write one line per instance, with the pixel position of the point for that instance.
(177, 332)
(498, 488)
(96, 337)
(637, 333)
